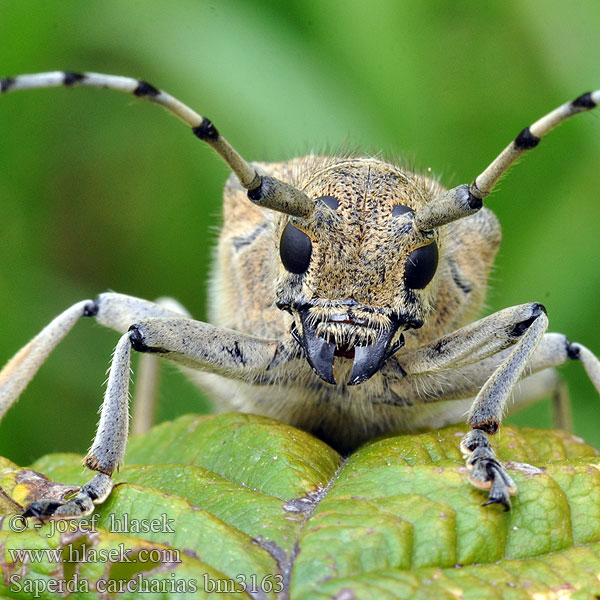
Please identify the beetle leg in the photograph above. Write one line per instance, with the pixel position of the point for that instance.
(115, 311)
(189, 342)
(147, 379)
(492, 354)
(485, 415)
(21, 368)
(488, 408)
(485, 471)
(108, 448)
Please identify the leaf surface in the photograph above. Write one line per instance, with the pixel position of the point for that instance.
(242, 500)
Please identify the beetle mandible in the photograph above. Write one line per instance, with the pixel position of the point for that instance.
(343, 301)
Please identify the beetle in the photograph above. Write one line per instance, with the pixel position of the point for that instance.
(343, 300)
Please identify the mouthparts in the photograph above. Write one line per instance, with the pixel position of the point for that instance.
(368, 352)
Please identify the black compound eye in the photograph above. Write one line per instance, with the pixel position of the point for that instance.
(295, 249)
(421, 266)
(400, 209)
(331, 201)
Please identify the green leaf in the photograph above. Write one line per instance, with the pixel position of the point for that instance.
(235, 499)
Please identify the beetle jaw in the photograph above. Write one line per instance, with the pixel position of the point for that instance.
(368, 342)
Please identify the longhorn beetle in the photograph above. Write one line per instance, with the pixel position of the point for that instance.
(342, 303)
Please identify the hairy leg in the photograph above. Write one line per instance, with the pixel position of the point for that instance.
(156, 330)
(491, 354)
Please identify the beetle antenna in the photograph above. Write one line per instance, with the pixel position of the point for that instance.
(466, 200)
(265, 191)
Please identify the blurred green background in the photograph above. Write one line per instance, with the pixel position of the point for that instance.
(99, 191)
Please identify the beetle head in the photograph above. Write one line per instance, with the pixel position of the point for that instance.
(356, 272)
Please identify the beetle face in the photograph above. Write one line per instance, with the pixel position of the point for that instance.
(357, 273)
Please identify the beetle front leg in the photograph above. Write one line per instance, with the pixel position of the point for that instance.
(189, 342)
(485, 470)
(487, 410)
(488, 358)
(486, 413)
(108, 448)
